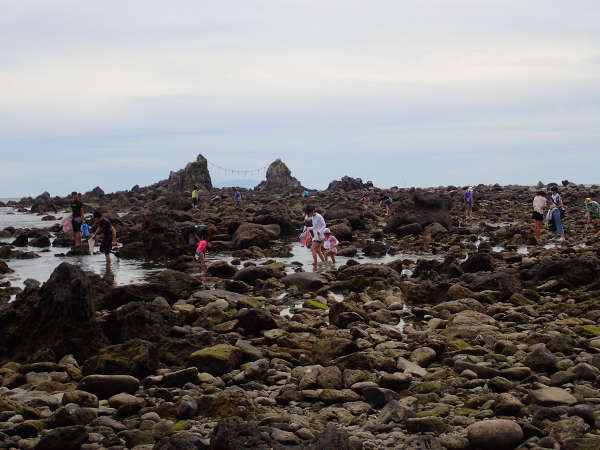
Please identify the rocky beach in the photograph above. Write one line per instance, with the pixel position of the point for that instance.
(431, 332)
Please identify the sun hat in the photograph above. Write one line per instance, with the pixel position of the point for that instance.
(326, 231)
(588, 200)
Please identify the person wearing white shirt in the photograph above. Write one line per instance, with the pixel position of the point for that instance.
(540, 202)
(318, 228)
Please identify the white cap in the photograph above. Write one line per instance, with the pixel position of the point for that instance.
(326, 231)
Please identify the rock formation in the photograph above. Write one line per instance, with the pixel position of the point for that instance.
(349, 184)
(195, 174)
(279, 180)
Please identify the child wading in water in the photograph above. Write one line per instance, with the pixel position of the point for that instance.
(318, 226)
(201, 250)
(330, 245)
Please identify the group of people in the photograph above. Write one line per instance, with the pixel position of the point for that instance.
(385, 203)
(237, 197)
(102, 227)
(323, 244)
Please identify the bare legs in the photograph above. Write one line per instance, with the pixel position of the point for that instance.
(538, 229)
(316, 251)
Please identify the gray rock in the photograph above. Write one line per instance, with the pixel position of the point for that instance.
(551, 396)
(495, 434)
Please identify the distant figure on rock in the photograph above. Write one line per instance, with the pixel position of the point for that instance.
(366, 201)
(540, 202)
(386, 202)
(330, 244)
(556, 214)
(195, 196)
(469, 200)
(317, 229)
(305, 193)
(201, 250)
(77, 219)
(108, 233)
(237, 198)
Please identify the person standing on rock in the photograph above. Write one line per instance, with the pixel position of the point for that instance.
(108, 232)
(469, 200)
(386, 202)
(237, 198)
(195, 196)
(318, 228)
(77, 219)
(330, 244)
(540, 202)
(557, 213)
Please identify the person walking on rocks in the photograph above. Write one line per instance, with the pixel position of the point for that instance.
(108, 232)
(77, 219)
(318, 228)
(469, 200)
(386, 202)
(330, 244)
(195, 196)
(540, 202)
(237, 198)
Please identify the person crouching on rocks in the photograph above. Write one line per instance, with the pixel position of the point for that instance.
(540, 202)
(108, 233)
(330, 244)
(318, 226)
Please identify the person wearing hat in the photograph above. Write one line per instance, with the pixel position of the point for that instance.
(469, 200)
(592, 211)
(330, 244)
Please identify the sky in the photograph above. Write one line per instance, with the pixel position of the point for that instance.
(407, 93)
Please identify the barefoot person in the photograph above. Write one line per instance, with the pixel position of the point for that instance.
(195, 196)
(469, 200)
(77, 220)
(539, 206)
(318, 226)
(557, 213)
(108, 233)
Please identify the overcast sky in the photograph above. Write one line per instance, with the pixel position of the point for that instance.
(411, 92)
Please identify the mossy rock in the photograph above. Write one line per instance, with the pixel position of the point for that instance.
(249, 302)
(218, 359)
(314, 304)
(592, 329)
(429, 387)
(181, 425)
(440, 411)
(135, 357)
(497, 357)
(561, 344)
(520, 300)
(458, 344)
(465, 412)
(225, 327)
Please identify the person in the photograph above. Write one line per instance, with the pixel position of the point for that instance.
(469, 200)
(318, 225)
(386, 202)
(77, 216)
(237, 198)
(592, 210)
(108, 232)
(195, 196)
(306, 236)
(330, 244)
(305, 193)
(365, 201)
(201, 250)
(557, 213)
(540, 202)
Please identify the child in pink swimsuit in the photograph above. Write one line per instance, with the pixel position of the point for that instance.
(201, 250)
(330, 245)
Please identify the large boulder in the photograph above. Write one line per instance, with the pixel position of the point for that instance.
(306, 281)
(424, 209)
(217, 360)
(279, 180)
(56, 319)
(573, 272)
(250, 234)
(495, 434)
(349, 184)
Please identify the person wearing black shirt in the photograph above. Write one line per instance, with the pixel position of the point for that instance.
(77, 220)
(109, 235)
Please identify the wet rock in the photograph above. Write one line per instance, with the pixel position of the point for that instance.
(180, 377)
(183, 440)
(375, 249)
(136, 357)
(496, 434)
(306, 281)
(21, 240)
(4, 268)
(217, 360)
(253, 320)
(478, 262)
(105, 386)
(64, 438)
(326, 349)
(344, 313)
(540, 358)
(221, 269)
(42, 241)
(81, 398)
(253, 273)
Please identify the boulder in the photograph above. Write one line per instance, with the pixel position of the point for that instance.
(221, 269)
(234, 434)
(254, 320)
(63, 438)
(349, 184)
(105, 386)
(252, 273)
(551, 396)
(478, 262)
(135, 357)
(495, 434)
(422, 209)
(252, 234)
(194, 174)
(217, 360)
(305, 281)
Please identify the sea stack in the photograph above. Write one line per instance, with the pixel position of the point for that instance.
(279, 180)
(195, 174)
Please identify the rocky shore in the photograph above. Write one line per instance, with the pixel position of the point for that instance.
(471, 335)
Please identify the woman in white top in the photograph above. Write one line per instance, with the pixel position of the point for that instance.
(318, 228)
(540, 202)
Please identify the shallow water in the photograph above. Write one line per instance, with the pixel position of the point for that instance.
(121, 272)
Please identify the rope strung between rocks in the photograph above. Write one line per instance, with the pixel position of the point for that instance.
(245, 172)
